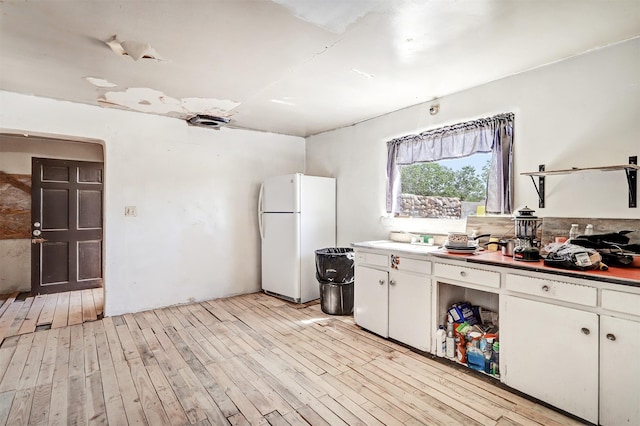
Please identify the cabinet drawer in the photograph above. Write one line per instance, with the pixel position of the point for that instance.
(468, 275)
(556, 290)
(620, 301)
(414, 265)
(372, 259)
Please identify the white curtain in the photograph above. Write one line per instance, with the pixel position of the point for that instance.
(493, 134)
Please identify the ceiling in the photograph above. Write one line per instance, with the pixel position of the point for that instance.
(296, 67)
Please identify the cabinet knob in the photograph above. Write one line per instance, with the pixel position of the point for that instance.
(585, 331)
(463, 274)
(611, 337)
(381, 282)
(545, 288)
(392, 282)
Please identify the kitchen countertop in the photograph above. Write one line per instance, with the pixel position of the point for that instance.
(616, 275)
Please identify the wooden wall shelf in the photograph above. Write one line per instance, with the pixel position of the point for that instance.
(631, 170)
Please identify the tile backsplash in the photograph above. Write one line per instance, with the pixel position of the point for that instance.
(503, 226)
(559, 227)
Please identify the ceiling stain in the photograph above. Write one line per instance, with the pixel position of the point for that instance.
(135, 49)
(152, 101)
(100, 82)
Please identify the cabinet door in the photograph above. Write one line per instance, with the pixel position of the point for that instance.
(410, 309)
(551, 353)
(370, 300)
(619, 371)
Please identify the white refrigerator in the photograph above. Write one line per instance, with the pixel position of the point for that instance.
(296, 216)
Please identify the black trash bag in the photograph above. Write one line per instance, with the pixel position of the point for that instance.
(612, 254)
(571, 256)
(334, 265)
(609, 238)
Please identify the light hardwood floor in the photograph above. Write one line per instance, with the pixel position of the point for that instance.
(251, 359)
(48, 311)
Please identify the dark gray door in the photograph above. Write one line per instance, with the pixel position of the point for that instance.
(66, 225)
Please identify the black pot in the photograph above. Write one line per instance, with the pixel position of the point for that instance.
(526, 254)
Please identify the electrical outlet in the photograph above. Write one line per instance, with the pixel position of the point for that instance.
(130, 211)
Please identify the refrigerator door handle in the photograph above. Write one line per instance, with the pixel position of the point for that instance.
(260, 212)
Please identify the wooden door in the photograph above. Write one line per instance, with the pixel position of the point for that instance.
(66, 225)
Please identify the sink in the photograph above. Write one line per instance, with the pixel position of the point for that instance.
(407, 247)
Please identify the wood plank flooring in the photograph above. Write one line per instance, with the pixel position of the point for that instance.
(246, 360)
(19, 317)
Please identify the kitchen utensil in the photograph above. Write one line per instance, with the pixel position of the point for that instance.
(460, 250)
(460, 239)
(507, 246)
(526, 253)
(527, 232)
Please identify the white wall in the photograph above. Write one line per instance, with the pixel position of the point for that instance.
(195, 234)
(15, 158)
(581, 112)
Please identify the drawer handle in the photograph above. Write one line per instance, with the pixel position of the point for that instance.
(463, 274)
(545, 288)
(585, 331)
(392, 282)
(381, 282)
(611, 337)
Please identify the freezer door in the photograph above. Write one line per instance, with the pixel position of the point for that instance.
(281, 194)
(281, 254)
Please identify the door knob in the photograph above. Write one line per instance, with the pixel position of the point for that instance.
(611, 337)
(381, 282)
(392, 282)
(36, 232)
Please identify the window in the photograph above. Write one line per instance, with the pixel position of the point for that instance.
(431, 156)
(448, 189)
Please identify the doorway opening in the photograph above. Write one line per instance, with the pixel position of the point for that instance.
(84, 214)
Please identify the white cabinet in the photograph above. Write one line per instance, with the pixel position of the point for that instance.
(409, 309)
(552, 289)
(394, 302)
(619, 371)
(570, 342)
(551, 353)
(468, 275)
(371, 300)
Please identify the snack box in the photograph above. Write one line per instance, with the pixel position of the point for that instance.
(461, 312)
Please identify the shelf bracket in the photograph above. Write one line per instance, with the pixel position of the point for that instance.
(540, 186)
(632, 181)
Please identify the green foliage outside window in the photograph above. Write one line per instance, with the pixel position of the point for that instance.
(433, 179)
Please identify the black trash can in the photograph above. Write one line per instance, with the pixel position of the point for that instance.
(334, 272)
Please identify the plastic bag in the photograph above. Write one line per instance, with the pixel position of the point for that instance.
(335, 265)
(571, 256)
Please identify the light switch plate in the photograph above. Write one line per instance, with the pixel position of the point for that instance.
(130, 211)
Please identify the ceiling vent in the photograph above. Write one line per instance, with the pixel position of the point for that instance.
(209, 121)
